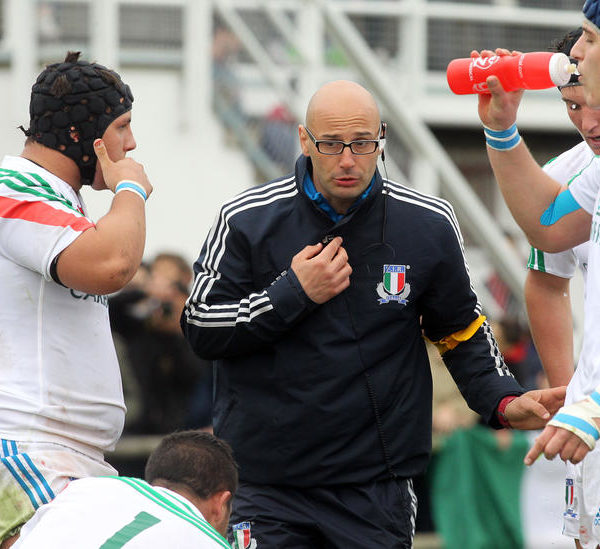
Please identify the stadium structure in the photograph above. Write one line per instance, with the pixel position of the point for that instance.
(220, 86)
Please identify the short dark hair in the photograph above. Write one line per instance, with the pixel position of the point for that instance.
(185, 270)
(566, 43)
(197, 459)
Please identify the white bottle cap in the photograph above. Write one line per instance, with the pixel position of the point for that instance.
(560, 68)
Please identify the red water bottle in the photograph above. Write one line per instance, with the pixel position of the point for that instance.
(528, 71)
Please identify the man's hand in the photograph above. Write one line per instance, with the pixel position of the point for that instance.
(557, 441)
(498, 109)
(114, 172)
(322, 272)
(572, 432)
(533, 409)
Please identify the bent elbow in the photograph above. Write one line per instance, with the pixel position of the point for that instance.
(119, 278)
(112, 276)
(547, 243)
(203, 341)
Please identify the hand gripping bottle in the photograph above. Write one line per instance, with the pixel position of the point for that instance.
(528, 71)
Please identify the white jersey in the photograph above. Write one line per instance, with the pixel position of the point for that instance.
(113, 512)
(586, 186)
(60, 378)
(565, 169)
(587, 374)
(574, 164)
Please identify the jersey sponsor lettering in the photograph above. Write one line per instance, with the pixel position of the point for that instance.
(93, 297)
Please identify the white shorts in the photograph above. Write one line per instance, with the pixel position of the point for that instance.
(32, 473)
(582, 501)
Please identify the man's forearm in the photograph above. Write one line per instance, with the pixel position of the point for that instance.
(104, 258)
(550, 320)
(528, 192)
(526, 188)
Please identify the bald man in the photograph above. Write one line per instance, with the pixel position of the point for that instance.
(311, 295)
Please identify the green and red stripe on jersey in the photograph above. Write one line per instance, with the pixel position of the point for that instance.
(41, 212)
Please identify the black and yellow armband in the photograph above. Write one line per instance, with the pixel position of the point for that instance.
(451, 341)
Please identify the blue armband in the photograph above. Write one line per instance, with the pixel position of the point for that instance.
(563, 204)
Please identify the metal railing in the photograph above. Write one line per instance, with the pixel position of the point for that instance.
(284, 49)
(412, 56)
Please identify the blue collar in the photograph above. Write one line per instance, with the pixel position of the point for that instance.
(321, 201)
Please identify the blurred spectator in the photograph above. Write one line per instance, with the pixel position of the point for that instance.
(476, 482)
(49, 29)
(171, 386)
(450, 411)
(520, 355)
(225, 49)
(501, 293)
(499, 290)
(225, 44)
(476, 472)
(131, 388)
(279, 137)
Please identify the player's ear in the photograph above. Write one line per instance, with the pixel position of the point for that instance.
(221, 505)
(303, 139)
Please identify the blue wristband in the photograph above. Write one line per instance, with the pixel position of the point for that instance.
(502, 140)
(131, 186)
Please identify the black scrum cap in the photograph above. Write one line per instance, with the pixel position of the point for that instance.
(72, 103)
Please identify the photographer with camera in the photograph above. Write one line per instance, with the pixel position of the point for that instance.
(173, 385)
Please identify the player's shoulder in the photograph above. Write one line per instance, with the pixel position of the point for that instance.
(419, 206)
(95, 484)
(572, 163)
(266, 195)
(88, 490)
(283, 186)
(403, 194)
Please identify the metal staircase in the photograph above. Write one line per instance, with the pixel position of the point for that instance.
(399, 50)
(255, 63)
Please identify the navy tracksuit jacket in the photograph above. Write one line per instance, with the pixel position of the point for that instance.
(316, 395)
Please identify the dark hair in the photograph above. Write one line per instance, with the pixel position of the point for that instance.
(566, 43)
(199, 460)
(185, 273)
(179, 261)
(513, 329)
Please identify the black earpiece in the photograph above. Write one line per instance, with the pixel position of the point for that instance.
(382, 140)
